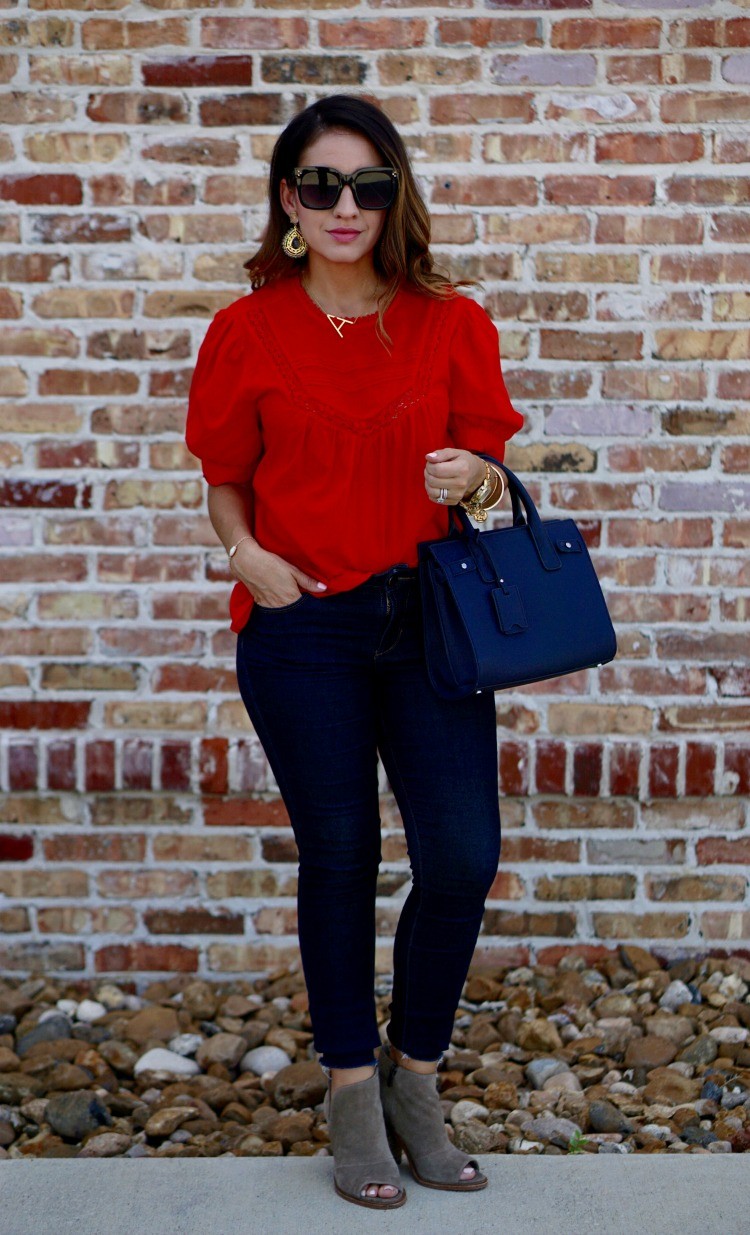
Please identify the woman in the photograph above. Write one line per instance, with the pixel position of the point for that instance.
(336, 411)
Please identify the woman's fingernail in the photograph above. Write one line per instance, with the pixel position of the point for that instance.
(432, 454)
(322, 587)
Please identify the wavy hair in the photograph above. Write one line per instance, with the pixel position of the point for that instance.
(402, 251)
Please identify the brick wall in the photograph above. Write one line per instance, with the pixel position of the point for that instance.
(590, 163)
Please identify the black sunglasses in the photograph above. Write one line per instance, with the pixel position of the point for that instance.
(319, 188)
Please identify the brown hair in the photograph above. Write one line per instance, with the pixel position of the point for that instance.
(402, 251)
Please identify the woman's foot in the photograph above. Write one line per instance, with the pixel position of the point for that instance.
(415, 1125)
(348, 1076)
(424, 1066)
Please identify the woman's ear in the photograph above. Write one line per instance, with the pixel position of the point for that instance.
(288, 199)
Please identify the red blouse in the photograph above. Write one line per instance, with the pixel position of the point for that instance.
(331, 433)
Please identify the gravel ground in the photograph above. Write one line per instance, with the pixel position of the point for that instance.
(624, 1056)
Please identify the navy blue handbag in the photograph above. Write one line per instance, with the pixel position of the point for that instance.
(510, 605)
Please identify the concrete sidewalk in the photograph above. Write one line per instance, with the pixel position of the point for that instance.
(584, 1194)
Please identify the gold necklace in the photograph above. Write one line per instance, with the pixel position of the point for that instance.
(336, 321)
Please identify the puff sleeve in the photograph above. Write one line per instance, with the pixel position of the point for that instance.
(223, 427)
(482, 417)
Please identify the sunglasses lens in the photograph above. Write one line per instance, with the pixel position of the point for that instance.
(318, 188)
(375, 190)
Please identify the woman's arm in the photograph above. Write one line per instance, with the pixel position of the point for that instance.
(229, 512)
(270, 579)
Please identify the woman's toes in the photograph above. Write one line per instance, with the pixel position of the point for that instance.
(468, 1172)
(387, 1191)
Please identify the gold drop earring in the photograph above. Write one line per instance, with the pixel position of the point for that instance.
(294, 243)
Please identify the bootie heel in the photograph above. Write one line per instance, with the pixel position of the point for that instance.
(361, 1154)
(415, 1123)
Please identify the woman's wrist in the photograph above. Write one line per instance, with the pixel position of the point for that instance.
(480, 471)
(498, 491)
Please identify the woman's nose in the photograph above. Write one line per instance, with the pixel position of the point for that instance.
(346, 203)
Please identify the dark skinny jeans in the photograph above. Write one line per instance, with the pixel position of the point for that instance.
(328, 682)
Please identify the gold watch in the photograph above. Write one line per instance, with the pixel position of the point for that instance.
(473, 503)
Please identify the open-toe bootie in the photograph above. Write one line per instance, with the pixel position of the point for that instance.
(415, 1124)
(361, 1154)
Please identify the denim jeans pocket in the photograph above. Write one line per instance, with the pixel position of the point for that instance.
(280, 608)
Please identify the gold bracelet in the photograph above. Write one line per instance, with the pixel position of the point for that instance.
(473, 503)
(499, 499)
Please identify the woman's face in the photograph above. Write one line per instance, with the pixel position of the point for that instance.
(344, 233)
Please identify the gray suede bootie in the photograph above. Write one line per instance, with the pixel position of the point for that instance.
(359, 1144)
(415, 1124)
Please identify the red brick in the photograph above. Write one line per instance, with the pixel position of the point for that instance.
(151, 108)
(514, 767)
(737, 762)
(193, 921)
(16, 848)
(194, 71)
(485, 190)
(700, 767)
(137, 764)
(575, 32)
(662, 772)
(247, 109)
(80, 229)
(480, 108)
(61, 190)
(32, 714)
(648, 147)
(103, 847)
(23, 766)
(213, 765)
(711, 32)
(625, 758)
(712, 849)
(175, 766)
(704, 107)
(538, 849)
(641, 926)
(599, 190)
(383, 32)
(61, 765)
(550, 767)
(244, 812)
(145, 957)
(587, 768)
(545, 5)
(104, 33)
(490, 31)
(524, 922)
(578, 345)
(258, 32)
(658, 70)
(99, 766)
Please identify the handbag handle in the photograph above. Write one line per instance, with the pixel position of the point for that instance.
(548, 555)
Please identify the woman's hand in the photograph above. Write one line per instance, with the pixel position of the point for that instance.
(458, 471)
(271, 580)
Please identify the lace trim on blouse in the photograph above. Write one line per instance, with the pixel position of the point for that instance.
(384, 415)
